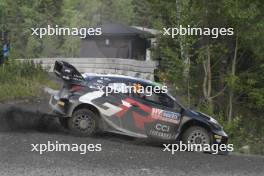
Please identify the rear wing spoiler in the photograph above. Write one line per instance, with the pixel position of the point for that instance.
(67, 72)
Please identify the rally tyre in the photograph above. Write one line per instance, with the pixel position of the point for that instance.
(196, 135)
(83, 123)
(64, 122)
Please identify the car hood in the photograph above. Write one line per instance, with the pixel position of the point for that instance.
(205, 117)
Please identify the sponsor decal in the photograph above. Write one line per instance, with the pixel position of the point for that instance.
(162, 135)
(162, 127)
(166, 116)
(162, 131)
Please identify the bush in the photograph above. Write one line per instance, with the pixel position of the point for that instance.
(22, 79)
(245, 132)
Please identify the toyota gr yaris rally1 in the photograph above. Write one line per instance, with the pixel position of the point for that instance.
(85, 106)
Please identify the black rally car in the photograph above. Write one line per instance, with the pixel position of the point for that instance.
(84, 107)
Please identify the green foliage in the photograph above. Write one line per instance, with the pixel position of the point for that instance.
(243, 80)
(232, 81)
(20, 80)
(142, 13)
(245, 132)
(18, 17)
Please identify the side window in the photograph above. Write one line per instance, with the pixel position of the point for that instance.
(98, 82)
(161, 99)
(155, 97)
(92, 83)
(164, 100)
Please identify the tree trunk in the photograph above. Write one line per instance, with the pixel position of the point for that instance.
(207, 81)
(231, 91)
(184, 53)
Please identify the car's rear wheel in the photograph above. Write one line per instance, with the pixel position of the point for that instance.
(196, 135)
(83, 122)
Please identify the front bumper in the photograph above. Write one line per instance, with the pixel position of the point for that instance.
(58, 105)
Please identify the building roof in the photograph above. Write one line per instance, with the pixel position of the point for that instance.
(113, 29)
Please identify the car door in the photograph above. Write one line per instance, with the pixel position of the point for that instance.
(155, 114)
(110, 101)
(129, 114)
(119, 108)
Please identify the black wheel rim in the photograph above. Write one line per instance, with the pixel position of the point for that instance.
(84, 123)
(198, 137)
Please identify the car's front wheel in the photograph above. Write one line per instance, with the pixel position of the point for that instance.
(83, 122)
(196, 135)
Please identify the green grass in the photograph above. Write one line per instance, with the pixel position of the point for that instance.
(22, 80)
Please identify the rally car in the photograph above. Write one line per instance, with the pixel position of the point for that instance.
(85, 106)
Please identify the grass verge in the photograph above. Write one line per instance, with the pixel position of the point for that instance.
(22, 80)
